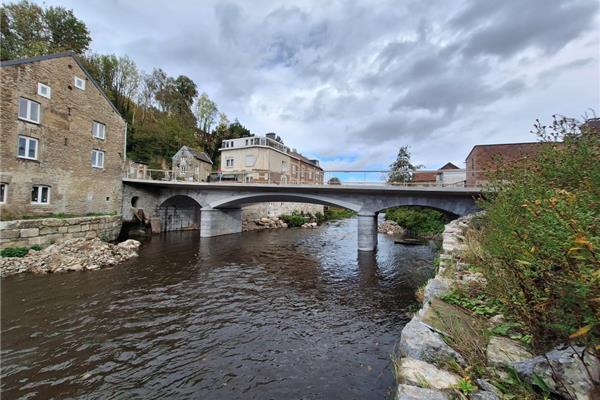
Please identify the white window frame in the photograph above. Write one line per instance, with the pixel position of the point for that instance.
(96, 131)
(48, 90)
(40, 189)
(95, 159)
(229, 162)
(3, 193)
(79, 83)
(28, 111)
(28, 140)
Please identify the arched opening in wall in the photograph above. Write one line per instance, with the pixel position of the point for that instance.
(179, 213)
(412, 221)
(134, 201)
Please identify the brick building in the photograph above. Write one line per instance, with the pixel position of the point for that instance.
(485, 158)
(191, 165)
(62, 142)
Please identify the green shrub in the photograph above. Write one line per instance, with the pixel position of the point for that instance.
(418, 221)
(541, 238)
(332, 213)
(14, 252)
(36, 247)
(293, 220)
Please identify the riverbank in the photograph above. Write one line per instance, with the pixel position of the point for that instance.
(70, 255)
(456, 347)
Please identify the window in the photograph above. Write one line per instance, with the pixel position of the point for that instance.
(29, 110)
(98, 130)
(250, 160)
(44, 90)
(3, 189)
(40, 195)
(79, 83)
(27, 148)
(97, 159)
(229, 162)
(284, 166)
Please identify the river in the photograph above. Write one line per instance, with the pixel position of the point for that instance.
(279, 314)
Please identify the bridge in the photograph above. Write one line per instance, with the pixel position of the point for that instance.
(216, 207)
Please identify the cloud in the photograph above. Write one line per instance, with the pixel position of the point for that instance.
(353, 80)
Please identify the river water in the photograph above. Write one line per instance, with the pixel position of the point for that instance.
(280, 314)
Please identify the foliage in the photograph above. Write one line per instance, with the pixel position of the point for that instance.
(418, 221)
(334, 181)
(402, 169)
(479, 304)
(206, 112)
(465, 386)
(28, 30)
(332, 213)
(36, 247)
(14, 252)
(542, 234)
(293, 220)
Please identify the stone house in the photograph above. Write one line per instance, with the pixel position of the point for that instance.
(485, 158)
(267, 160)
(447, 175)
(190, 165)
(62, 142)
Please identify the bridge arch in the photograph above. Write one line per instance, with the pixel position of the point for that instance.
(241, 200)
(453, 206)
(179, 212)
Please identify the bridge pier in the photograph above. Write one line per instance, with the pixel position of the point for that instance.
(217, 222)
(367, 231)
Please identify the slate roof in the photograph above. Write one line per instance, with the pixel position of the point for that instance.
(449, 166)
(72, 54)
(200, 156)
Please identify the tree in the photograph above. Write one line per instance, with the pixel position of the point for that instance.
(206, 111)
(402, 169)
(28, 30)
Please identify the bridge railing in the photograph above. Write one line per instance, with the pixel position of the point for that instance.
(340, 177)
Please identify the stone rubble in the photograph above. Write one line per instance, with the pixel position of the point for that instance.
(71, 255)
(263, 223)
(390, 228)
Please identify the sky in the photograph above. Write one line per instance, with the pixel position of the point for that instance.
(350, 82)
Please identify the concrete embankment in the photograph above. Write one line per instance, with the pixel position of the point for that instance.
(434, 358)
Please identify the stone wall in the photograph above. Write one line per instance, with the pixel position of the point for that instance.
(268, 210)
(29, 232)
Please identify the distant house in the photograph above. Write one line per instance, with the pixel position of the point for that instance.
(448, 175)
(486, 158)
(191, 165)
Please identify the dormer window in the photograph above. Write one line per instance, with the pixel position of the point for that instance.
(79, 83)
(44, 90)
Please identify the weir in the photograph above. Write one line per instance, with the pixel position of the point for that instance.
(220, 203)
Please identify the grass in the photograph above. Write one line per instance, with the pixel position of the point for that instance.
(18, 251)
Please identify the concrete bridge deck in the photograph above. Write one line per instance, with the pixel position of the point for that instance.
(220, 203)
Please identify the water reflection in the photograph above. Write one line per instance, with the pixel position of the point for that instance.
(272, 314)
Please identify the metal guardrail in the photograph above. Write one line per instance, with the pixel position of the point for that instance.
(345, 177)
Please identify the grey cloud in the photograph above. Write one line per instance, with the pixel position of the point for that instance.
(504, 28)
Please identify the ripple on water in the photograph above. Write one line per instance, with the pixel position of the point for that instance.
(272, 314)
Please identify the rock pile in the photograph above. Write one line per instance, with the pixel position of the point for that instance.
(390, 228)
(71, 255)
(568, 371)
(264, 223)
(310, 225)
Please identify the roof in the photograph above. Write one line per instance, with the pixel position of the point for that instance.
(72, 54)
(200, 156)
(449, 166)
(306, 160)
(504, 145)
(424, 176)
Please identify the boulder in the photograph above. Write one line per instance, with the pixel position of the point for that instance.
(563, 370)
(130, 244)
(435, 288)
(420, 373)
(420, 342)
(503, 351)
(484, 395)
(408, 392)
